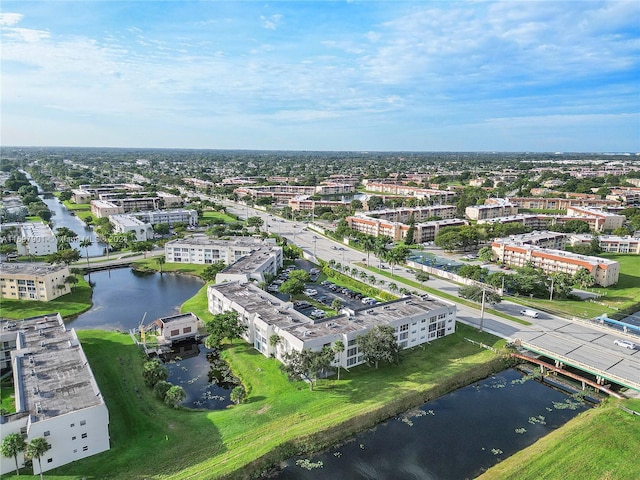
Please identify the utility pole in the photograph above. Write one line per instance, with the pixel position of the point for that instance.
(484, 294)
(551, 290)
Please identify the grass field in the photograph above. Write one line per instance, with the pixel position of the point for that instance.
(150, 440)
(152, 264)
(601, 443)
(209, 215)
(74, 303)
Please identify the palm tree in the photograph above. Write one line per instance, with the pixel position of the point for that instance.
(86, 243)
(11, 446)
(338, 347)
(368, 245)
(36, 448)
(161, 261)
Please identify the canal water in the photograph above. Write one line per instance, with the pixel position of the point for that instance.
(455, 437)
(62, 218)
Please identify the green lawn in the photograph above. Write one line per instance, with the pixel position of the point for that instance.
(208, 215)
(149, 440)
(7, 397)
(74, 303)
(601, 443)
(152, 264)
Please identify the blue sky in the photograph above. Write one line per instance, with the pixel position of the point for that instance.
(359, 75)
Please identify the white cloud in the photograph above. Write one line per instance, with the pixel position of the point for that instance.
(8, 19)
(271, 22)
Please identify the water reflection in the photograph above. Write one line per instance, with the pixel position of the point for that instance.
(455, 437)
(206, 380)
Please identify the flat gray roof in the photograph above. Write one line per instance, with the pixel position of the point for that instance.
(31, 268)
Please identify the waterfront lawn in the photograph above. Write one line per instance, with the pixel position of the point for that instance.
(152, 264)
(74, 303)
(601, 443)
(150, 440)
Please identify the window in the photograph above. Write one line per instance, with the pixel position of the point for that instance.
(186, 330)
(47, 433)
(404, 328)
(73, 438)
(73, 425)
(175, 332)
(85, 448)
(49, 460)
(83, 422)
(84, 435)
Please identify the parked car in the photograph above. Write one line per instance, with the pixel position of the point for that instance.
(317, 313)
(310, 292)
(625, 344)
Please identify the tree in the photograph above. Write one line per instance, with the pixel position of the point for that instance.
(422, 276)
(161, 261)
(582, 278)
(161, 388)
(255, 222)
(238, 395)
(153, 371)
(144, 247)
(336, 304)
(301, 275)
(221, 326)
(174, 396)
(11, 446)
(397, 256)
(36, 448)
(86, 243)
(368, 245)
(338, 348)
(307, 364)
(485, 254)
(379, 345)
(71, 280)
(292, 286)
(274, 340)
(474, 293)
(209, 273)
(475, 272)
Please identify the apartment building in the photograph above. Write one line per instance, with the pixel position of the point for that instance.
(33, 281)
(423, 231)
(124, 224)
(247, 258)
(286, 192)
(484, 212)
(628, 196)
(539, 203)
(170, 217)
(604, 220)
(441, 196)
(404, 214)
(604, 272)
(102, 208)
(305, 203)
(608, 243)
(36, 239)
(416, 321)
(544, 239)
(56, 395)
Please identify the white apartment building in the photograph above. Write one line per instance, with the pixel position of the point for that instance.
(56, 395)
(423, 231)
(442, 196)
(483, 212)
(125, 223)
(544, 239)
(419, 214)
(604, 220)
(609, 243)
(33, 281)
(170, 217)
(247, 258)
(36, 239)
(416, 321)
(604, 272)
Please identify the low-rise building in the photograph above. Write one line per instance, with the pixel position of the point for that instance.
(179, 327)
(33, 281)
(628, 196)
(102, 208)
(423, 231)
(440, 196)
(170, 217)
(246, 258)
(605, 272)
(608, 243)
(419, 214)
(36, 239)
(415, 320)
(125, 223)
(484, 212)
(556, 203)
(604, 220)
(544, 239)
(56, 395)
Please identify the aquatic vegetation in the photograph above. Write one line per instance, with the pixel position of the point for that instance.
(521, 430)
(308, 464)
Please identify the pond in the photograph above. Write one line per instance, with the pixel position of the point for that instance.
(206, 380)
(122, 297)
(457, 436)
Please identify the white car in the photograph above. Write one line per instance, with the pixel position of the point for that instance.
(310, 292)
(625, 344)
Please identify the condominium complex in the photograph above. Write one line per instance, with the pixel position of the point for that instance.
(441, 196)
(36, 239)
(484, 212)
(168, 217)
(423, 231)
(540, 203)
(418, 214)
(628, 196)
(604, 272)
(415, 320)
(544, 239)
(247, 258)
(542, 221)
(33, 281)
(608, 243)
(306, 203)
(56, 395)
(283, 193)
(604, 220)
(123, 223)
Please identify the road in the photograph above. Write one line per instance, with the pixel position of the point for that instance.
(580, 343)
